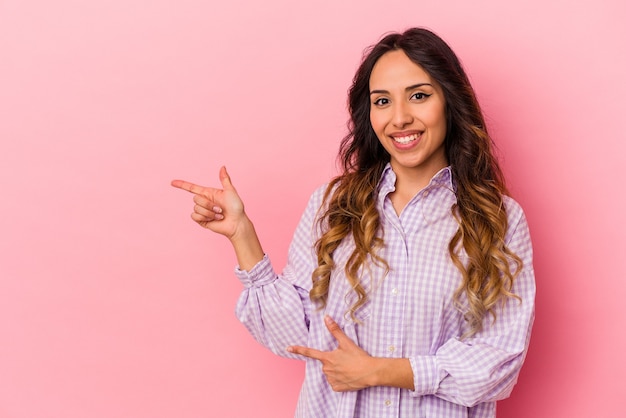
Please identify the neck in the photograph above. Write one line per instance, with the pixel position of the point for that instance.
(410, 181)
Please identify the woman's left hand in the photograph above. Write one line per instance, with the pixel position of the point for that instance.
(348, 367)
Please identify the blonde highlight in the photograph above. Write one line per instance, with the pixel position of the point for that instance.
(350, 211)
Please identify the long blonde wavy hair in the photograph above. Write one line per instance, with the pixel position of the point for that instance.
(350, 198)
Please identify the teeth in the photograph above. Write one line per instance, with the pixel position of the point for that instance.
(405, 139)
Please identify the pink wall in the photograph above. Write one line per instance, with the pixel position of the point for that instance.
(113, 303)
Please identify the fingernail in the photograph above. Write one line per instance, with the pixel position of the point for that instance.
(289, 349)
(219, 217)
(328, 319)
(217, 209)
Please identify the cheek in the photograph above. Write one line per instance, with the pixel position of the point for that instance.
(438, 119)
(377, 124)
(442, 124)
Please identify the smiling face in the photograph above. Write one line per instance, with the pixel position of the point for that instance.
(408, 116)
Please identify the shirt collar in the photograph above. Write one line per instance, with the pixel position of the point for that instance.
(443, 178)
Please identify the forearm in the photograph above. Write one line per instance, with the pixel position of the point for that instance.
(247, 246)
(272, 308)
(394, 372)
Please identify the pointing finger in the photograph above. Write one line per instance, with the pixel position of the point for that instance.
(306, 352)
(190, 187)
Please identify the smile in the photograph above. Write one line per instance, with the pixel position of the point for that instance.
(405, 139)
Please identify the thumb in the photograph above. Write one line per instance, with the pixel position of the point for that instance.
(225, 179)
(336, 331)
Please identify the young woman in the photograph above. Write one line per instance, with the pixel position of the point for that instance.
(409, 287)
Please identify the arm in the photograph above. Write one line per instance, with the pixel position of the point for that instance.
(274, 308)
(484, 368)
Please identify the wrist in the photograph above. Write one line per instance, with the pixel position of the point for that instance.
(394, 372)
(377, 378)
(243, 231)
(246, 244)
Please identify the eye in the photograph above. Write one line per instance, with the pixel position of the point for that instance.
(381, 101)
(420, 96)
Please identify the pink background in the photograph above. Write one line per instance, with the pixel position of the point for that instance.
(113, 303)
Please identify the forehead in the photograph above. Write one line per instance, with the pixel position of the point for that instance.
(395, 69)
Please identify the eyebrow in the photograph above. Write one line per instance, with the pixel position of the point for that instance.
(414, 86)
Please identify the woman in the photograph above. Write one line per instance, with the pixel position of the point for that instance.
(409, 287)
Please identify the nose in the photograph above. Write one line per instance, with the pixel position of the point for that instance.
(401, 115)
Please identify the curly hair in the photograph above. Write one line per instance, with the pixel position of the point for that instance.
(350, 198)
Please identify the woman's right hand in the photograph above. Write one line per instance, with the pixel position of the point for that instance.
(219, 210)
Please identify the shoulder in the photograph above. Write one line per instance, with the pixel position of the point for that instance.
(513, 208)
(516, 219)
(316, 204)
(316, 199)
(322, 194)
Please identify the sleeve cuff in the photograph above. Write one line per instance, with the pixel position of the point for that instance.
(426, 375)
(261, 274)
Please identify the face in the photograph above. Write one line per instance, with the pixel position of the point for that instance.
(408, 116)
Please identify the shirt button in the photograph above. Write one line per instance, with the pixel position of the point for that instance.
(394, 291)
(387, 402)
(391, 348)
(425, 193)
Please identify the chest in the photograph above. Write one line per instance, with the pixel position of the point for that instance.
(419, 280)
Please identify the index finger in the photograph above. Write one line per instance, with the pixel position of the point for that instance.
(190, 187)
(306, 352)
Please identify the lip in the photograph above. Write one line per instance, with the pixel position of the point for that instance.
(400, 134)
(403, 134)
